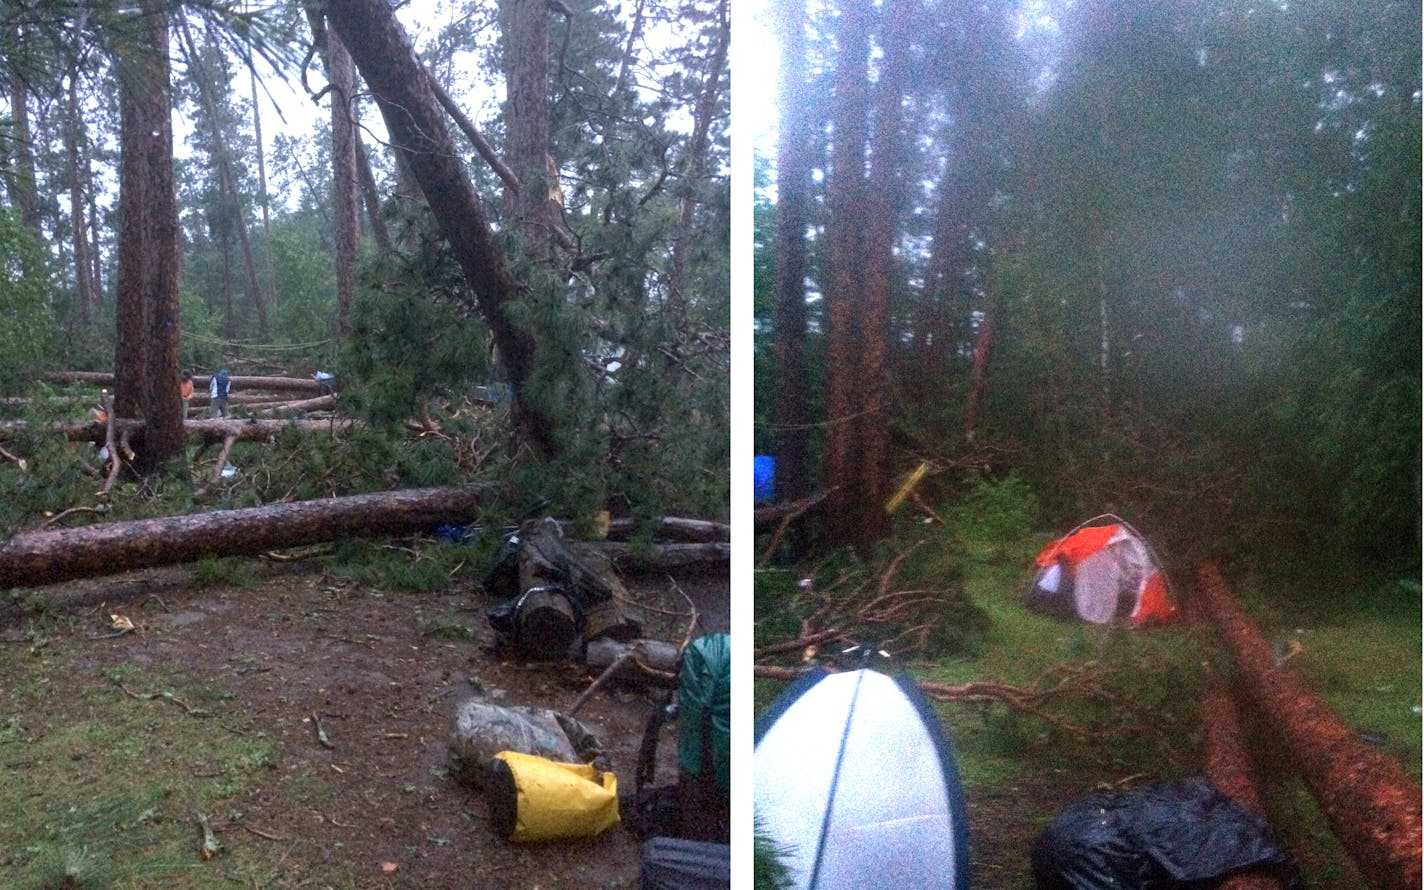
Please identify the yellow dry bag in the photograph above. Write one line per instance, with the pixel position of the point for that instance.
(534, 799)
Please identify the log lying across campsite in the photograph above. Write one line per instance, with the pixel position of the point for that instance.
(1372, 806)
(1227, 766)
(47, 557)
(271, 384)
(214, 430)
(657, 557)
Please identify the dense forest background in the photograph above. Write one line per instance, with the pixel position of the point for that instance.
(1159, 258)
(537, 198)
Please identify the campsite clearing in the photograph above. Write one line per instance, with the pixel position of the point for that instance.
(301, 713)
(1356, 642)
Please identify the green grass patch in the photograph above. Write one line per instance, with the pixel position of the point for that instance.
(1359, 644)
(105, 775)
(224, 571)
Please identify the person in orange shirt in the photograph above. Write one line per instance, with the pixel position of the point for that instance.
(185, 390)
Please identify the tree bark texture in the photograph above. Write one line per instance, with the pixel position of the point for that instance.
(47, 557)
(147, 354)
(526, 115)
(343, 178)
(383, 53)
(1227, 765)
(882, 202)
(791, 417)
(1371, 805)
(847, 513)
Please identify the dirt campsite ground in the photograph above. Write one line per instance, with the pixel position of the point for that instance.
(343, 697)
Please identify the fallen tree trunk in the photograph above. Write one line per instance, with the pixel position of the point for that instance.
(1371, 805)
(316, 404)
(1227, 765)
(765, 516)
(210, 431)
(692, 531)
(657, 557)
(105, 378)
(35, 558)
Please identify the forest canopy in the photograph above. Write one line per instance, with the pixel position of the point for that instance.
(1156, 258)
(425, 199)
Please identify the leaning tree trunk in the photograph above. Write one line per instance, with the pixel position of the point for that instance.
(383, 54)
(1371, 805)
(47, 557)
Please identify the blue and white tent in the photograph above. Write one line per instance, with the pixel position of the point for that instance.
(856, 781)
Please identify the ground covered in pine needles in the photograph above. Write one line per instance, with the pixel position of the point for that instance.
(283, 726)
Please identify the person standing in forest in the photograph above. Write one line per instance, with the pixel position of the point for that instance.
(185, 391)
(218, 389)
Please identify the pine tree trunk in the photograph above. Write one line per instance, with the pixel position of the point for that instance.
(630, 55)
(85, 298)
(526, 114)
(21, 178)
(344, 180)
(791, 417)
(383, 54)
(47, 557)
(371, 197)
(846, 509)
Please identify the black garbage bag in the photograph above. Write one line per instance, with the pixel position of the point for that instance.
(1176, 835)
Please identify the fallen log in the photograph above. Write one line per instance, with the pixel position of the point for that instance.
(657, 557)
(208, 430)
(689, 531)
(316, 404)
(46, 557)
(764, 516)
(200, 381)
(1372, 806)
(1227, 767)
(643, 661)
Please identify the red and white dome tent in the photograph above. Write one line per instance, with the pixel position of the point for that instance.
(1102, 572)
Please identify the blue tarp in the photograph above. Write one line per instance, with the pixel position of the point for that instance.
(764, 466)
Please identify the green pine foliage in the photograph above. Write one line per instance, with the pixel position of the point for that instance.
(25, 289)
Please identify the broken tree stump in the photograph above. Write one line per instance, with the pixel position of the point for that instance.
(46, 557)
(1372, 806)
(565, 596)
